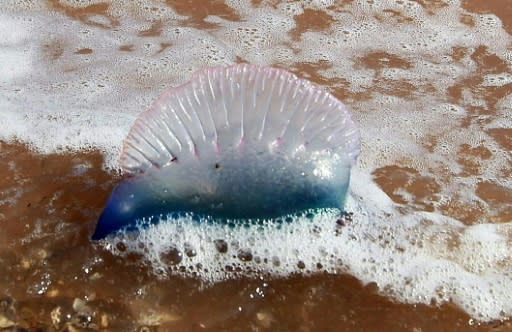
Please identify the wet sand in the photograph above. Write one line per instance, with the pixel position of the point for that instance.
(53, 278)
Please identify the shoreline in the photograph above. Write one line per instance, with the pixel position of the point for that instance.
(45, 242)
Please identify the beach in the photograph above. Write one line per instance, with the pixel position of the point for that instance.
(429, 246)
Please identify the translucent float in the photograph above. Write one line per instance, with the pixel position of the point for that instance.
(243, 143)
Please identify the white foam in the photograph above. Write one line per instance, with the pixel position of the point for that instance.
(55, 99)
(15, 54)
(80, 3)
(497, 79)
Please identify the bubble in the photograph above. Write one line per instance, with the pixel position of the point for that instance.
(221, 246)
(171, 256)
(189, 250)
(245, 255)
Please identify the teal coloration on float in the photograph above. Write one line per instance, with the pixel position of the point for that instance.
(234, 143)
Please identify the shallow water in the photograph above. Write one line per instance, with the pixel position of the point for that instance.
(429, 82)
(48, 262)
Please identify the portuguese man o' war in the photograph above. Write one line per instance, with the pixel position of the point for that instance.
(243, 142)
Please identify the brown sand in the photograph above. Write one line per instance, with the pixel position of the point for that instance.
(47, 262)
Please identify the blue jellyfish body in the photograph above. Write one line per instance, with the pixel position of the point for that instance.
(234, 143)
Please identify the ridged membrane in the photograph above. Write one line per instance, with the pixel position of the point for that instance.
(223, 108)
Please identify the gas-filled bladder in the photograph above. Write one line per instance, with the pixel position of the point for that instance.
(243, 143)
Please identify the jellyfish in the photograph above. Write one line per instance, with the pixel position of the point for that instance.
(236, 143)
